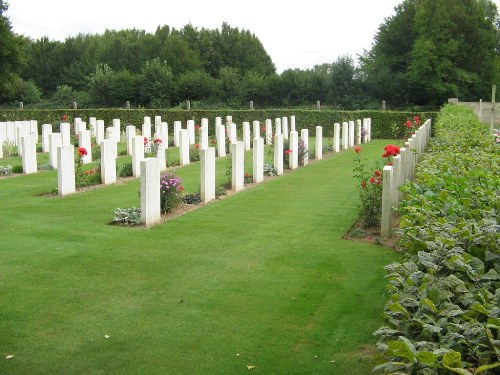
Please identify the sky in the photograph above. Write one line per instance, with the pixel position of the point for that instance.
(295, 34)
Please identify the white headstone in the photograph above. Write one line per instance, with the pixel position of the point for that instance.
(351, 133)
(163, 132)
(192, 133)
(207, 174)
(246, 135)
(84, 141)
(108, 161)
(396, 178)
(28, 146)
(150, 191)
(277, 126)
(269, 131)
(278, 153)
(218, 121)
(117, 130)
(336, 137)
(345, 136)
(130, 133)
(55, 140)
(204, 123)
(293, 159)
(304, 136)
(256, 129)
(11, 131)
(93, 126)
(146, 130)
(65, 130)
(238, 166)
(184, 147)
(220, 135)
(34, 129)
(358, 132)
(229, 120)
(137, 154)
(258, 160)
(203, 137)
(46, 130)
(147, 120)
(160, 152)
(99, 131)
(66, 171)
(387, 186)
(157, 123)
(284, 124)
(233, 137)
(177, 129)
(3, 136)
(319, 143)
(292, 123)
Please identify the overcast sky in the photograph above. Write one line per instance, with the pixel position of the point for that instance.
(295, 34)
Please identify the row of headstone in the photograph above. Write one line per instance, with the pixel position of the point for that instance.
(400, 172)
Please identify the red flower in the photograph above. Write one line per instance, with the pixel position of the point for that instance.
(390, 163)
(288, 152)
(363, 184)
(417, 120)
(263, 129)
(64, 117)
(408, 124)
(82, 151)
(91, 171)
(86, 172)
(357, 149)
(247, 174)
(379, 181)
(157, 140)
(390, 150)
(146, 141)
(181, 188)
(196, 145)
(372, 180)
(377, 173)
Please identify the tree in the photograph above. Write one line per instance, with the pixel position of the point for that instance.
(156, 84)
(195, 85)
(100, 84)
(11, 58)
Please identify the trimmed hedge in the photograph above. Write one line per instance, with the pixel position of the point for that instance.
(385, 124)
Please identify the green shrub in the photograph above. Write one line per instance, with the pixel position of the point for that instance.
(170, 192)
(124, 170)
(5, 171)
(127, 216)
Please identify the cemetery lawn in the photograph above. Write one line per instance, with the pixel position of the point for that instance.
(261, 278)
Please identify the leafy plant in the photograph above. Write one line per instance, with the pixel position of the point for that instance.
(194, 198)
(85, 177)
(124, 170)
(127, 216)
(170, 191)
(270, 170)
(5, 171)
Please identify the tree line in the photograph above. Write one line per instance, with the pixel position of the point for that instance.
(428, 51)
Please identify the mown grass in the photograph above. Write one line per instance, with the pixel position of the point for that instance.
(260, 278)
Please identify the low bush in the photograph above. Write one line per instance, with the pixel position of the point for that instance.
(127, 216)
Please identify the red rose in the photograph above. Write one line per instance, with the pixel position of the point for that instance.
(357, 149)
(64, 117)
(157, 140)
(82, 151)
(378, 173)
(408, 124)
(372, 180)
(196, 145)
(146, 141)
(363, 184)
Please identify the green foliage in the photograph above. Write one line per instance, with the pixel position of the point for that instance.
(127, 216)
(170, 192)
(5, 171)
(444, 295)
(124, 170)
(193, 198)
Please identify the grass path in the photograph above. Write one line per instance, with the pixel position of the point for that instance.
(260, 278)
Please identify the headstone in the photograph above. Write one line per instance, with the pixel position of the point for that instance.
(385, 227)
(258, 160)
(229, 120)
(150, 191)
(146, 120)
(92, 126)
(207, 174)
(157, 123)
(117, 130)
(293, 160)
(238, 166)
(127, 104)
(345, 136)
(28, 145)
(319, 143)
(99, 132)
(204, 123)
(184, 147)
(10, 132)
(34, 129)
(2, 140)
(369, 132)
(65, 130)
(177, 129)
(336, 137)
(137, 155)
(396, 179)
(251, 104)
(351, 133)
(256, 129)
(19, 134)
(66, 171)
(192, 133)
(232, 133)
(269, 131)
(277, 126)
(246, 135)
(188, 105)
(220, 135)
(55, 140)
(46, 130)
(146, 131)
(108, 161)
(318, 105)
(78, 125)
(160, 152)
(84, 141)
(383, 105)
(278, 153)
(130, 134)
(163, 132)
(218, 121)
(75, 106)
(21, 105)
(284, 125)
(292, 123)
(304, 136)
(358, 131)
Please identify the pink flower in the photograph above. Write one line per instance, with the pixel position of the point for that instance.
(146, 141)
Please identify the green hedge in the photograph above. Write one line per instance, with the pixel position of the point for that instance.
(385, 124)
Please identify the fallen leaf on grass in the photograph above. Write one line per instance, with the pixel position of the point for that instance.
(10, 356)
(237, 354)
(107, 336)
(250, 367)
